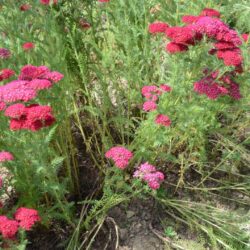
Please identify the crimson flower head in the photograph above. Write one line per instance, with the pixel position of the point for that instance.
(165, 87)
(6, 156)
(47, 2)
(26, 217)
(163, 120)
(120, 156)
(245, 37)
(84, 24)
(157, 27)
(25, 7)
(6, 73)
(33, 117)
(173, 47)
(210, 12)
(4, 53)
(103, 1)
(8, 228)
(28, 46)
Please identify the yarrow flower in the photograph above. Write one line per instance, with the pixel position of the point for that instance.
(25, 7)
(149, 106)
(163, 120)
(26, 217)
(6, 73)
(120, 155)
(4, 53)
(173, 47)
(28, 46)
(245, 37)
(2, 106)
(8, 228)
(47, 2)
(84, 24)
(103, 1)
(210, 12)
(148, 173)
(157, 27)
(33, 117)
(6, 156)
(214, 88)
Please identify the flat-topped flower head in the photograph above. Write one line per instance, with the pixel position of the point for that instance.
(6, 156)
(25, 7)
(149, 106)
(35, 117)
(28, 46)
(148, 173)
(8, 228)
(210, 12)
(157, 27)
(15, 111)
(26, 217)
(6, 74)
(120, 155)
(163, 120)
(173, 48)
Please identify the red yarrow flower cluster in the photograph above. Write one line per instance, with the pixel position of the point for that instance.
(150, 175)
(26, 217)
(6, 74)
(25, 7)
(33, 117)
(120, 155)
(103, 1)
(206, 24)
(8, 228)
(6, 156)
(163, 120)
(214, 87)
(157, 27)
(28, 46)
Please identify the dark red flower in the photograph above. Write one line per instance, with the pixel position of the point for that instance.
(157, 27)
(173, 47)
(210, 12)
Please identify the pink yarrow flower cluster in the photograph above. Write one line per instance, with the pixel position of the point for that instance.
(24, 218)
(6, 156)
(152, 93)
(4, 53)
(120, 155)
(225, 42)
(150, 175)
(31, 80)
